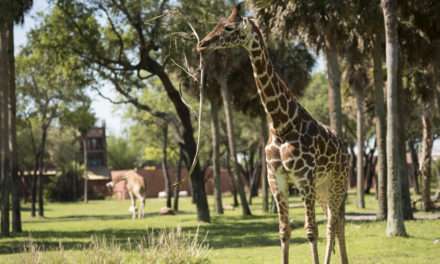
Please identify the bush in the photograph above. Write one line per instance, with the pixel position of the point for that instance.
(65, 187)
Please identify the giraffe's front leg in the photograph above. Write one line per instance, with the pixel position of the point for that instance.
(279, 188)
(132, 208)
(308, 192)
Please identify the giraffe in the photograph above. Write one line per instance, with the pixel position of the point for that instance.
(136, 190)
(300, 150)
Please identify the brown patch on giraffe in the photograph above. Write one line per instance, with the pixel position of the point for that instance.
(283, 102)
(308, 159)
(299, 164)
(292, 107)
(269, 92)
(297, 123)
(322, 160)
(306, 140)
(256, 53)
(269, 69)
(304, 127)
(271, 106)
(313, 129)
(259, 66)
(279, 118)
(255, 45)
(264, 79)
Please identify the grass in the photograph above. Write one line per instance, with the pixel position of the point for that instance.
(77, 232)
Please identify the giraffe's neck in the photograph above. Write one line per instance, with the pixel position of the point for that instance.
(279, 104)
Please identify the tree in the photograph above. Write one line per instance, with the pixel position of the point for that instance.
(379, 108)
(215, 135)
(232, 147)
(121, 154)
(395, 223)
(357, 78)
(48, 86)
(10, 12)
(130, 31)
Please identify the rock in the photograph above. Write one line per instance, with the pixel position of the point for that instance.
(166, 211)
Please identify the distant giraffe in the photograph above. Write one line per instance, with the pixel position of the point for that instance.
(300, 149)
(136, 190)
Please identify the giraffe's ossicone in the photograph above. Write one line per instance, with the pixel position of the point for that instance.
(300, 150)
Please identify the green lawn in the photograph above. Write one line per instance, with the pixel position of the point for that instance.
(231, 238)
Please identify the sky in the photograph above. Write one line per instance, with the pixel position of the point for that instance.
(104, 110)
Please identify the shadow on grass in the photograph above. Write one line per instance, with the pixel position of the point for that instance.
(220, 234)
(69, 218)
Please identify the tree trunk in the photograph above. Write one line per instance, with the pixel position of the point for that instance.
(189, 144)
(416, 165)
(360, 147)
(334, 78)
(86, 176)
(403, 166)
(352, 179)
(166, 175)
(215, 133)
(238, 181)
(235, 202)
(178, 178)
(395, 222)
(34, 189)
(16, 210)
(41, 169)
(426, 158)
(40, 191)
(379, 108)
(369, 169)
(264, 181)
(255, 180)
(5, 140)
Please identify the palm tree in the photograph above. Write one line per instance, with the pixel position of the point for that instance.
(358, 80)
(379, 108)
(222, 78)
(395, 223)
(215, 135)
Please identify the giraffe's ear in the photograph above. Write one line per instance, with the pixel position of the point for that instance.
(235, 14)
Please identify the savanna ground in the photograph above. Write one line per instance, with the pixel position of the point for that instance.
(230, 237)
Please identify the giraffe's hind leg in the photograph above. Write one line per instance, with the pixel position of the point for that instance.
(341, 235)
(335, 226)
(332, 222)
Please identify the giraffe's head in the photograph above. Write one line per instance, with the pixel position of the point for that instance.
(234, 31)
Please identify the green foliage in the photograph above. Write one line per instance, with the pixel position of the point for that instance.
(81, 118)
(315, 99)
(63, 150)
(14, 10)
(61, 187)
(122, 155)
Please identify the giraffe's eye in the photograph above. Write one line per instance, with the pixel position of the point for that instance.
(229, 28)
